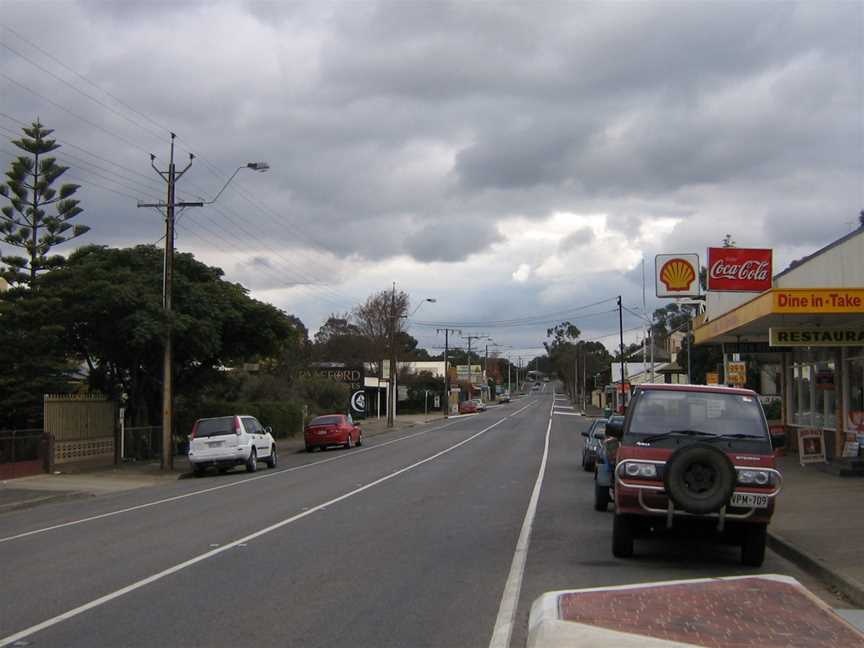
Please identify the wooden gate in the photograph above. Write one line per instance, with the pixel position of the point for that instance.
(82, 428)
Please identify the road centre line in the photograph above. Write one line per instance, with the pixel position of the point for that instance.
(522, 409)
(18, 636)
(503, 629)
(204, 491)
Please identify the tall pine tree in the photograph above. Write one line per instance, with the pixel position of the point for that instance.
(25, 223)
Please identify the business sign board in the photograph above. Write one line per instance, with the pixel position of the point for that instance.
(811, 446)
(712, 378)
(815, 337)
(736, 373)
(358, 404)
(739, 269)
(351, 376)
(820, 300)
(677, 275)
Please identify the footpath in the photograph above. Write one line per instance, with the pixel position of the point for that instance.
(26, 492)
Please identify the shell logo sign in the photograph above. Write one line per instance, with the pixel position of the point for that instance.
(677, 275)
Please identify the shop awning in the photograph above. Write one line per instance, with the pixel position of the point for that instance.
(787, 309)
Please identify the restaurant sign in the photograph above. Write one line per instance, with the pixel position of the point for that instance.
(815, 337)
(819, 300)
(739, 269)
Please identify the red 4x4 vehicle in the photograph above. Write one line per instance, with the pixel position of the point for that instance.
(696, 459)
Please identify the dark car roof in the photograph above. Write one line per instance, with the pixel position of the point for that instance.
(714, 389)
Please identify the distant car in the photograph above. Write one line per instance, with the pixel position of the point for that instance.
(481, 406)
(593, 440)
(228, 441)
(331, 430)
(468, 407)
(504, 398)
(546, 379)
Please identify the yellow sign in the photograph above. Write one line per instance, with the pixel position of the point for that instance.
(712, 378)
(807, 337)
(820, 300)
(736, 373)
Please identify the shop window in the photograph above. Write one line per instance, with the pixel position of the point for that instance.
(813, 389)
(855, 421)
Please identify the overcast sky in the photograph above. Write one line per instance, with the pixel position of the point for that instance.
(511, 160)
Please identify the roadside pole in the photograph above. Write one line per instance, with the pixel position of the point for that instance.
(391, 387)
(446, 401)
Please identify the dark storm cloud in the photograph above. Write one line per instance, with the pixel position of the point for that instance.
(416, 129)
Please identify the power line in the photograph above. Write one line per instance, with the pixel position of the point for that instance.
(533, 319)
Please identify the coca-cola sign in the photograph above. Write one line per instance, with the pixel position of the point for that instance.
(739, 269)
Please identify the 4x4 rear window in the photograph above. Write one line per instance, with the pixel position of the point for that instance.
(658, 412)
(215, 426)
(326, 420)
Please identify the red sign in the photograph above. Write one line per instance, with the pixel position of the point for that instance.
(739, 269)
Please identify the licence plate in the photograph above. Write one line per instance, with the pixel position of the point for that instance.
(214, 444)
(749, 500)
(322, 431)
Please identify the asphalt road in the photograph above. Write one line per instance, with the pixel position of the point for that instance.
(408, 541)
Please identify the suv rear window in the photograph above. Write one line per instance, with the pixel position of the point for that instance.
(326, 420)
(215, 426)
(658, 412)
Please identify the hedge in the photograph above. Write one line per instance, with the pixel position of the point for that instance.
(285, 417)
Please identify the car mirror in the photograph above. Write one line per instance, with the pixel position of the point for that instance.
(585, 434)
(615, 429)
(611, 444)
(268, 430)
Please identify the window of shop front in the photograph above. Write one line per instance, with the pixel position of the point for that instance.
(855, 392)
(813, 393)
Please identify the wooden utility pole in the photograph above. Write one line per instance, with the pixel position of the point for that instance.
(171, 176)
(391, 404)
(446, 401)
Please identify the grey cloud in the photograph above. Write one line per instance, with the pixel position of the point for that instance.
(438, 242)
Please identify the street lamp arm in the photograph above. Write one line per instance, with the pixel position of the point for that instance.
(255, 166)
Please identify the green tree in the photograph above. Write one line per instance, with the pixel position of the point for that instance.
(25, 222)
(32, 355)
(110, 311)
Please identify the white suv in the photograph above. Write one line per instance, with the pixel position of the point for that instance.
(228, 441)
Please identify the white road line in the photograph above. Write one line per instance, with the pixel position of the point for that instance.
(510, 598)
(523, 409)
(567, 414)
(11, 639)
(564, 407)
(204, 491)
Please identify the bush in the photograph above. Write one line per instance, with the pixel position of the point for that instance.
(285, 417)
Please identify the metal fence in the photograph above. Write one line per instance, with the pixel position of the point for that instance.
(144, 443)
(23, 452)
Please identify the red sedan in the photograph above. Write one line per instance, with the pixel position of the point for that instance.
(330, 430)
(468, 407)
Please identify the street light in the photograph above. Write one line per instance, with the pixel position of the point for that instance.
(260, 167)
(431, 300)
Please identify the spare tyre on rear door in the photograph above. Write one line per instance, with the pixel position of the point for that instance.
(699, 478)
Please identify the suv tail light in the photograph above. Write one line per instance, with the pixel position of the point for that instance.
(237, 429)
(194, 430)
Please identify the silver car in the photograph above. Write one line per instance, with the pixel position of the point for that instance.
(593, 440)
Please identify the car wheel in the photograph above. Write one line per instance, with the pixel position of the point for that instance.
(273, 459)
(753, 544)
(601, 497)
(349, 442)
(622, 536)
(223, 469)
(252, 461)
(699, 478)
(310, 448)
(359, 439)
(199, 470)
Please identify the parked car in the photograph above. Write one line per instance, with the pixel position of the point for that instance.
(694, 460)
(468, 407)
(604, 463)
(504, 398)
(331, 430)
(594, 436)
(228, 441)
(481, 406)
